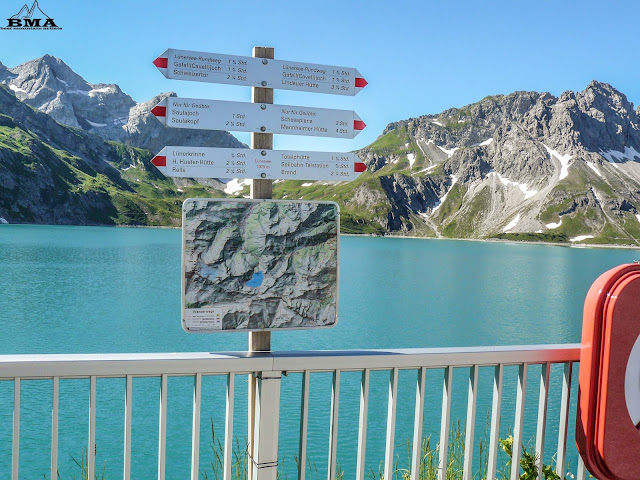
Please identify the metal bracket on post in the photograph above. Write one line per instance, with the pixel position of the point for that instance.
(264, 457)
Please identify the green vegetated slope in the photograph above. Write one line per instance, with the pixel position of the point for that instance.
(54, 174)
(365, 206)
(524, 166)
(420, 198)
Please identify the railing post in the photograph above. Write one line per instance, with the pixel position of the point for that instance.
(266, 426)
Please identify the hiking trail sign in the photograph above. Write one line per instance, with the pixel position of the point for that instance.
(255, 117)
(259, 72)
(208, 162)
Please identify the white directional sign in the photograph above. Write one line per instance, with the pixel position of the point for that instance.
(255, 117)
(259, 72)
(207, 162)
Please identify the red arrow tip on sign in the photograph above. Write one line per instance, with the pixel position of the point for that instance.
(361, 82)
(159, 111)
(358, 125)
(359, 167)
(164, 63)
(159, 161)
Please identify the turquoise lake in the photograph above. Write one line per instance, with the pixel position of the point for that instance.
(94, 289)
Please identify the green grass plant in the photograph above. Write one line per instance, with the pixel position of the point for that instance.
(428, 469)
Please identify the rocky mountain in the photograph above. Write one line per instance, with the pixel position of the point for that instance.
(52, 87)
(56, 174)
(526, 165)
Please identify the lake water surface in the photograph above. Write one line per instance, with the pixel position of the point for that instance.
(94, 289)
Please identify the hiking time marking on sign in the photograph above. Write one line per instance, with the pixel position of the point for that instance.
(208, 162)
(259, 72)
(255, 117)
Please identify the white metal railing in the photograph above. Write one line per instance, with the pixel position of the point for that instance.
(269, 367)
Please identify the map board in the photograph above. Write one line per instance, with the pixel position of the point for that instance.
(252, 265)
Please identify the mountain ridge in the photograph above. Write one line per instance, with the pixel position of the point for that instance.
(50, 85)
(510, 160)
(55, 174)
(524, 165)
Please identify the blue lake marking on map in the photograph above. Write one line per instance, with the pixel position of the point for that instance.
(256, 280)
(208, 272)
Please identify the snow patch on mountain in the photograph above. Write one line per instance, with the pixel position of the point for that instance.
(512, 224)
(17, 89)
(579, 238)
(483, 144)
(593, 167)
(449, 152)
(563, 159)
(615, 156)
(454, 179)
(524, 188)
(102, 90)
(428, 169)
(235, 185)
(551, 226)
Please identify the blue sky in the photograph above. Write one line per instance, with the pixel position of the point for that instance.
(420, 57)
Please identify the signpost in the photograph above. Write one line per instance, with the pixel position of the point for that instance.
(262, 118)
(257, 117)
(259, 72)
(206, 162)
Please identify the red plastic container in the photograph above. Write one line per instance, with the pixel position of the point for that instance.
(607, 432)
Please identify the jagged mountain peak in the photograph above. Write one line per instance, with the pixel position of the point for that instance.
(48, 71)
(561, 168)
(603, 94)
(50, 85)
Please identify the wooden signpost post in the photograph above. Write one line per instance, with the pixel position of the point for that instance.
(262, 164)
(260, 188)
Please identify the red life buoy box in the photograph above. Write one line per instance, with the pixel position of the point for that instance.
(608, 416)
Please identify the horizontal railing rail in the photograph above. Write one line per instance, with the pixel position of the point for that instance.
(154, 364)
(269, 367)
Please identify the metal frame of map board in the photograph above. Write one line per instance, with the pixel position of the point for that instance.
(208, 318)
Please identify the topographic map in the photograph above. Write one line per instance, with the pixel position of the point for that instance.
(259, 264)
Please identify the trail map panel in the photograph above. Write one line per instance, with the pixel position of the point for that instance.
(259, 265)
